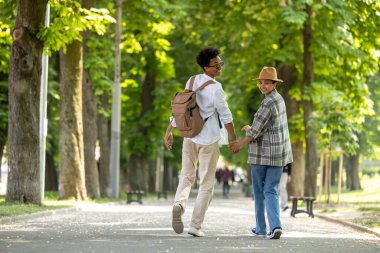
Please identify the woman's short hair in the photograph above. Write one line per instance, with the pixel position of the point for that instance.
(205, 55)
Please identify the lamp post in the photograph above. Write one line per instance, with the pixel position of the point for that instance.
(43, 114)
(116, 108)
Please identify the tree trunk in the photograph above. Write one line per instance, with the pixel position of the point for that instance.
(139, 161)
(71, 159)
(311, 159)
(152, 176)
(24, 99)
(352, 171)
(168, 177)
(90, 136)
(104, 146)
(296, 186)
(138, 167)
(51, 176)
(90, 130)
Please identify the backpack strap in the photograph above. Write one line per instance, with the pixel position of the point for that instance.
(191, 84)
(204, 85)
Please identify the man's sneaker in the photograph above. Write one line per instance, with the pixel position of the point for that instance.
(195, 232)
(177, 223)
(275, 234)
(253, 230)
(285, 208)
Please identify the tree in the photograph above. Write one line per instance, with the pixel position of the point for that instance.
(101, 71)
(311, 160)
(288, 74)
(24, 96)
(146, 81)
(71, 157)
(89, 119)
(66, 34)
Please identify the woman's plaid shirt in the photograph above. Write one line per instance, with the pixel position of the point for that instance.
(270, 133)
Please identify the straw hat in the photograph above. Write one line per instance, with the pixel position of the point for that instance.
(268, 73)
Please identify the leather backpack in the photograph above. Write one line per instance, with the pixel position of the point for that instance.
(186, 111)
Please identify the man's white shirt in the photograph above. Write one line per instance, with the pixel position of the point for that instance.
(211, 101)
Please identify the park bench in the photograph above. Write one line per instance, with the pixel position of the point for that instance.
(135, 196)
(163, 193)
(309, 205)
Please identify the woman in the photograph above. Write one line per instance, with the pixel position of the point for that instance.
(269, 152)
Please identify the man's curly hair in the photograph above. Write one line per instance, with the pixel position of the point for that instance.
(205, 55)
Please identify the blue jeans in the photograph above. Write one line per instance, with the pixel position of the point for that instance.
(265, 187)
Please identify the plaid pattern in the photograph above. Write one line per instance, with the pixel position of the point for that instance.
(270, 133)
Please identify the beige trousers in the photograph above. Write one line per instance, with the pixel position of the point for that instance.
(208, 156)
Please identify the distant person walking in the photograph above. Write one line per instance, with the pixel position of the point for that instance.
(269, 152)
(205, 146)
(285, 179)
(226, 176)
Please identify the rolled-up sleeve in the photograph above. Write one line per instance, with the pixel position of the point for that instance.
(260, 122)
(221, 106)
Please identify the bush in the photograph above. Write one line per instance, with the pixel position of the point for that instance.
(370, 171)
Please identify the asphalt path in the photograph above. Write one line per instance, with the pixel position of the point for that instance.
(138, 228)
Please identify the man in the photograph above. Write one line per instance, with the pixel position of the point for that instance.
(205, 146)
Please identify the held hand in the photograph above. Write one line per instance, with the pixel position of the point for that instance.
(168, 139)
(234, 147)
(246, 128)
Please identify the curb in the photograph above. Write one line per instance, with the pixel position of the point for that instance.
(349, 224)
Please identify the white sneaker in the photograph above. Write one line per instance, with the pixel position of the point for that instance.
(275, 234)
(177, 223)
(253, 230)
(195, 232)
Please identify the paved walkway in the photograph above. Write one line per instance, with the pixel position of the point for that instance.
(147, 228)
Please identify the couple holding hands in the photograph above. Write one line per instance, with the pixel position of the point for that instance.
(269, 148)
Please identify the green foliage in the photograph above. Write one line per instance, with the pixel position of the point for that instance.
(146, 63)
(370, 171)
(336, 120)
(5, 45)
(69, 20)
(7, 18)
(369, 137)
(101, 71)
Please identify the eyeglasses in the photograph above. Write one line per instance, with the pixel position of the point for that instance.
(217, 66)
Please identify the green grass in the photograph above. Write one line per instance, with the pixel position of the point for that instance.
(371, 217)
(369, 193)
(51, 202)
(372, 209)
(370, 223)
(366, 201)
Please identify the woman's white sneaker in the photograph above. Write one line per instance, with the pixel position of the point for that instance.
(276, 233)
(253, 230)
